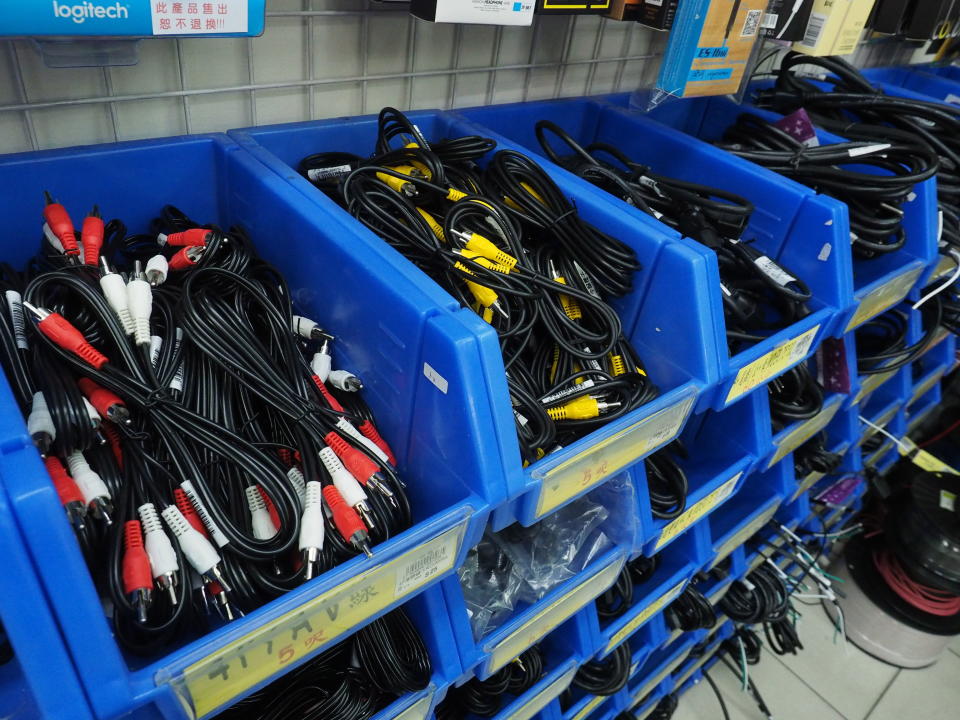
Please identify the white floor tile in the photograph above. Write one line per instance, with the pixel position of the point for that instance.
(929, 693)
(847, 678)
(785, 694)
(955, 645)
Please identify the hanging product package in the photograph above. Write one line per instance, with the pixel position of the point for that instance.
(711, 50)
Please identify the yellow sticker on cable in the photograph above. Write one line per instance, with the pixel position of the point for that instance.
(545, 620)
(220, 677)
(419, 709)
(922, 459)
(528, 708)
(799, 435)
(610, 455)
(872, 382)
(884, 297)
(746, 532)
(696, 511)
(648, 612)
(923, 386)
(772, 364)
(589, 707)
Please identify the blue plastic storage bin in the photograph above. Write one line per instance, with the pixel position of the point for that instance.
(879, 283)
(790, 222)
(40, 681)
(569, 603)
(674, 337)
(723, 447)
(384, 334)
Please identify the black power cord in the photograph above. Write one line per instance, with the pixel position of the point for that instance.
(667, 484)
(759, 295)
(690, 611)
(617, 599)
(485, 698)
(607, 676)
(795, 395)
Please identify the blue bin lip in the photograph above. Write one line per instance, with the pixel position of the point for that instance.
(519, 480)
(552, 677)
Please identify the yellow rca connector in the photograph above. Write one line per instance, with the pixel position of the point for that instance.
(453, 195)
(435, 227)
(571, 307)
(617, 365)
(584, 407)
(481, 260)
(533, 192)
(485, 248)
(404, 187)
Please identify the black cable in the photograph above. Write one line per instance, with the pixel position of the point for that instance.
(795, 395)
(716, 691)
(617, 599)
(690, 611)
(607, 676)
(667, 485)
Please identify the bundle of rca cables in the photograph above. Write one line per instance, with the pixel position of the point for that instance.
(207, 450)
(759, 295)
(505, 241)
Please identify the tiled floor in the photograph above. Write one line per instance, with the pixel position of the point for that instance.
(831, 681)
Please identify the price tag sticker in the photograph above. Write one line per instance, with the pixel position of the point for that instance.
(528, 708)
(589, 707)
(884, 297)
(218, 678)
(799, 435)
(772, 364)
(924, 385)
(545, 620)
(739, 537)
(695, 512)
(610, 455)
(648, 612)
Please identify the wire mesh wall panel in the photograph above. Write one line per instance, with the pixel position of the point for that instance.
(316, 59)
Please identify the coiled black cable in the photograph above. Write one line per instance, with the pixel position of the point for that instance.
(607, 676)
(617, 599)
(485, 698)
(690, 611)
(667, 485)
(795, 395)
(882, 340)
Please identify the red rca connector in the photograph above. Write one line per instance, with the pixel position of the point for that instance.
(68, 491)
(60, 331)
(347, 520)
(370, 431)
(286, 457)
(91, 236)
(359, 464)
(194, 237)
(107, 403)
(187, 257)
(324, 390)
(271, 508)
(113, 437)
(187, 509)
(60, 223)
(137, 576)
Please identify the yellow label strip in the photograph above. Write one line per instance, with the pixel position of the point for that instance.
(648, 612)
(545, 620)
(884, 297)
(589, 707)
(772, 364)
(220, 677)
(746, 532)
(610, 455)
(542, 698)
(926, 385)
(419, 709)
(799, 435)
(693, 513)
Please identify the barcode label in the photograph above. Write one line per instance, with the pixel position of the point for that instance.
(751, 23)
(15, 306)
(811, 36)
(769, 21)
(325, 173)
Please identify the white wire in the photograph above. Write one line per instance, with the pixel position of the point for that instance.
(953, 278)
(879, 429)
